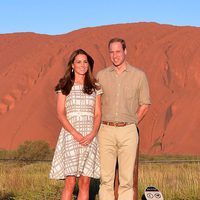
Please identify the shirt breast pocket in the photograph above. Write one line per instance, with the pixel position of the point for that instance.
(129, 92)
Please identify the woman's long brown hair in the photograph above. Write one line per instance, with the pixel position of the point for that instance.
(65, 84)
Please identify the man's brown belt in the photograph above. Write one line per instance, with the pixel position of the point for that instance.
(117, 124)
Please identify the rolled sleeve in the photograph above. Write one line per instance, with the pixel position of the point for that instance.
(144, 95)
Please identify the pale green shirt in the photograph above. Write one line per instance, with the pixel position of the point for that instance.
(123, 94)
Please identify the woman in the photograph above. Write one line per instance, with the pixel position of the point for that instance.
(79, 111)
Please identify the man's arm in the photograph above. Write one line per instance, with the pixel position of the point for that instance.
(142, 110)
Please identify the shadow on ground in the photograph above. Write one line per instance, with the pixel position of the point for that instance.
(7, 196)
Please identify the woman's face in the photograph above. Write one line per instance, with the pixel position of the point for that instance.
(80, 64)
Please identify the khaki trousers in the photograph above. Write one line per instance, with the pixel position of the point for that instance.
(117, 143)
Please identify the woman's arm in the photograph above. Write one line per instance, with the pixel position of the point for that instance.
(61, 114)
(97, 120)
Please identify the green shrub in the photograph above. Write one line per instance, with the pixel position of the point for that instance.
(33, 150)
(7, 154)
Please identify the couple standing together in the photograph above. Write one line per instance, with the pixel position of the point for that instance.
(99, 118)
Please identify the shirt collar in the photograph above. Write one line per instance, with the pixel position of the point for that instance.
(128, 67)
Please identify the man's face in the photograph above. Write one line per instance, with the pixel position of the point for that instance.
(117, 54)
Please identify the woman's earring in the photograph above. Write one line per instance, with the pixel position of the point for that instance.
(72, 70)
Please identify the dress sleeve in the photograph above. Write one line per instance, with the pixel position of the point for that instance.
(99, 91)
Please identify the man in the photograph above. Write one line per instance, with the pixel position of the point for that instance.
(125, 102)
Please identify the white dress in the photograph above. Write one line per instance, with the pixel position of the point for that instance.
(71, 158)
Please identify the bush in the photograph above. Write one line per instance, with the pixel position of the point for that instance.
(33, 150)
(7, 154)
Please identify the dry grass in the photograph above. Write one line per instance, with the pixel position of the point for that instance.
(31, 182)
(176, 181)
(28, 182)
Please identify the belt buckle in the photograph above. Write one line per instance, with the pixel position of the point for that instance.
(115, 124)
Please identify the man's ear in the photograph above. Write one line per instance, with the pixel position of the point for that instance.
(125, 51)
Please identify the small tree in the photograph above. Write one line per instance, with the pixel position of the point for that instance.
(33, 150)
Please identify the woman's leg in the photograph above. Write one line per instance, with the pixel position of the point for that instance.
(83, 185)
(70, 183)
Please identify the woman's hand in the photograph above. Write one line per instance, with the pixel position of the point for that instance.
(87, 139)
(77, 136)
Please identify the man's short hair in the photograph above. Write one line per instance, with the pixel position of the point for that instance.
(122, 41)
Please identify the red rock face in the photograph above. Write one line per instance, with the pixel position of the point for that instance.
(31, 64)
